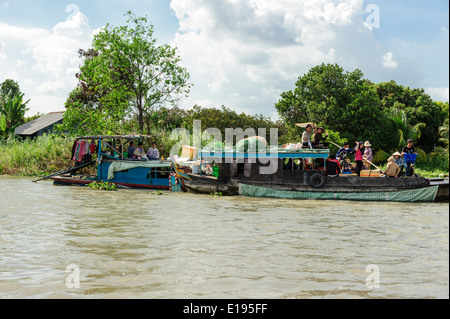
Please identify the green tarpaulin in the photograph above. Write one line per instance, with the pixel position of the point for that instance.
(425, 194)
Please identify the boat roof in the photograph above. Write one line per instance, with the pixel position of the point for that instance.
(269, 153)
(124, 137)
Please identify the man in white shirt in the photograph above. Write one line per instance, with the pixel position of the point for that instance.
(153, 153)
(306, 137)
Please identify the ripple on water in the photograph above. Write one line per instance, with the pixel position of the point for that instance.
(133, 244)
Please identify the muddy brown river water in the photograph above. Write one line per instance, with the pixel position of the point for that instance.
(74, 242)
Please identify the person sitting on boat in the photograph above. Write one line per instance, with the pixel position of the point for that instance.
(368, 155)
(409, 149)
(392, 169)
(398, 159)
(333, 166)
(319, 138)
(306, 137)
(131, 150)
(153, 153)
(139, 152)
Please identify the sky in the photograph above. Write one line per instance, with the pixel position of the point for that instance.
(239, 53)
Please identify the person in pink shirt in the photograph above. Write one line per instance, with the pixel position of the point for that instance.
(359, 157)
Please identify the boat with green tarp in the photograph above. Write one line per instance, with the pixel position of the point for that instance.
(302, 174)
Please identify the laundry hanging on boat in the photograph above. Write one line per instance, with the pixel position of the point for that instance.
(82, 148)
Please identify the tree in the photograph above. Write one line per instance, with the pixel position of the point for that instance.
(12, 114)
(405, 130)
(127, 73)
(343, 101)
(443, 133)
(12, 107)
(418, 108)
(9, 89)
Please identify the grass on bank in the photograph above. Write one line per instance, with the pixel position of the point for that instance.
(39, 157)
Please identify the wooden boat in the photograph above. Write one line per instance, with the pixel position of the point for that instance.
(113, 166)
(241, 174)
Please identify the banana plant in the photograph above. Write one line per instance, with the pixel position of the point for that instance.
(405, 129)
(443, 133)
(12, 113)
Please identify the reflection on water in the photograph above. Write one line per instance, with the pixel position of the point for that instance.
(134, 244)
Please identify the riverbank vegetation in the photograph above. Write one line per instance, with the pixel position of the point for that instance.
(129, 84)
(37, 157)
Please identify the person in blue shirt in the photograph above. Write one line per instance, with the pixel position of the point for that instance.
(341, 155)
(398, 159)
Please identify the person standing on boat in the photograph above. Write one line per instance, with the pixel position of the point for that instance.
(341, 155)
(409, 149)
(139, 152)
(153, 153)
(306, 137)
(359, 157)
(368, 155)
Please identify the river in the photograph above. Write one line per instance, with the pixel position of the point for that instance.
(74, 242)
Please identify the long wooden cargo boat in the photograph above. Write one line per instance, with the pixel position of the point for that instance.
(245, 174)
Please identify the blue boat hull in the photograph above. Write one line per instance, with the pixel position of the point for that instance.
(139, 177)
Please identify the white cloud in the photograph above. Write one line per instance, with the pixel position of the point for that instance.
(45, 61)
(388, 62)
(3, 55)
(438, 94)
(259, 48)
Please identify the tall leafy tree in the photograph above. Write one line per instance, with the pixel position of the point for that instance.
(127, 73)
(342, 101)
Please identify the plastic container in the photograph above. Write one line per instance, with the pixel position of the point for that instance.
(410, 158)
(215, 171)
(195, 169)
(189, 152)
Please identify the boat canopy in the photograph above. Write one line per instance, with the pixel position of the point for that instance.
(265, 154)
(108, 137)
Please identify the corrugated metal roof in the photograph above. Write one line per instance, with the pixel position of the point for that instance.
(38, 124)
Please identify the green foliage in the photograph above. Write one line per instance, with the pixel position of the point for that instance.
(418, 107)
(158, 193)
(343, 101)
(443, 133)
(404, 130)
(381, 157)
(12, 107)
(41, 156)
(125, 74)
(105, 186)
